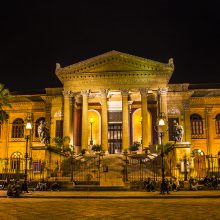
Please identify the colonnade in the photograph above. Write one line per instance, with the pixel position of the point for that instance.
(69, 108)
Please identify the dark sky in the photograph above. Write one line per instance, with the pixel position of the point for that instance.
(37, 34)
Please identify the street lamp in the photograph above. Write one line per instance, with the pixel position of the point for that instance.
(126, 166)
(161, 124)
(91, 121)
(28, 128)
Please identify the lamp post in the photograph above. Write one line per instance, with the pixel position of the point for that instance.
(161, 124)
(126, 166)
(28, 128)
(91, 121)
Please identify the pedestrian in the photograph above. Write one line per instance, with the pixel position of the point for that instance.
(214, 182)
(190, 183)
(176, 184)
(195, 185)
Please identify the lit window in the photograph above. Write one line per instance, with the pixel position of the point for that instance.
(196, 124)
(16, 160)
(18, 128)
(217, 124)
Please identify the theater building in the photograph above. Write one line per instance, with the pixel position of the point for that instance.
(113, 99)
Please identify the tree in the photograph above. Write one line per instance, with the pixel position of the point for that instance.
(4, 101)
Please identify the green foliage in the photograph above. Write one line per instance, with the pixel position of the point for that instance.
(166, 147)
(4, 101)
(97, 147)
(82, 152)
(3, 116)
(62, 144)
(133, 147)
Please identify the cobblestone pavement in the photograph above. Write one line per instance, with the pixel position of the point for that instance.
(51, 208)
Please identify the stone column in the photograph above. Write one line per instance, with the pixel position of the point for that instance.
(125, 119)
(187, 124)
(85, 94)
(210, 132)
(163, 109)
(144, 115)
(68, 115)
(104, 120)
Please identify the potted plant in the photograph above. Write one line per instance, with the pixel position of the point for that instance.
(97, 147)
(133, 148)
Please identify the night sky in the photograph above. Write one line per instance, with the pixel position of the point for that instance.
(37, 34)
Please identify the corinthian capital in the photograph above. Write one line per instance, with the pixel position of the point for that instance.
(85, 92)
(162, 91)
(68, 93)
(124, 92)
(144, 91)
(104, 92)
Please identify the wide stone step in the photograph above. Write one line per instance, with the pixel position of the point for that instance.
(99, 188)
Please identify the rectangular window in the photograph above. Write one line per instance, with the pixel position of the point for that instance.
(59, 128)
(36, 166)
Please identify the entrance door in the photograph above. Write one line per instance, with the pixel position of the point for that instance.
(114, 138)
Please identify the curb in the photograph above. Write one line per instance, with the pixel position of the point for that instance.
(119, 197)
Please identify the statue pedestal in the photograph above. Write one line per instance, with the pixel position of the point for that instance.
(178, 160)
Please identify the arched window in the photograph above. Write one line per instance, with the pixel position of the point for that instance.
(18, 128)
(196, 124)
(217, 124)
(16, 160)
(37, 124)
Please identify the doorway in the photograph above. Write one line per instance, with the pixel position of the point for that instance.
(115, 138)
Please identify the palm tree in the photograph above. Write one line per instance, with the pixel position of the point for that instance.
(4, 101)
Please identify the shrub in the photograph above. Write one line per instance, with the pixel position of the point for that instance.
(97, 147)
(133, 147)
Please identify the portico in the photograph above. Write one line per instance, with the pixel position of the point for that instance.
(111, 88)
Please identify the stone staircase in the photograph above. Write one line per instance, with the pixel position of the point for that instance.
(114, 175)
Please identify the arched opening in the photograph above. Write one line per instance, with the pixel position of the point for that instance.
(94, 127)
(16, 162)
(137, 126)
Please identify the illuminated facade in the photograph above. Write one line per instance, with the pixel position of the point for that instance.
(119, 96)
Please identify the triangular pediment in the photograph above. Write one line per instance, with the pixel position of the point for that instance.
(114, 61)
(115, 69)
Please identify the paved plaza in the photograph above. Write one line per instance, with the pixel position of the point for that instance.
(111, 205)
